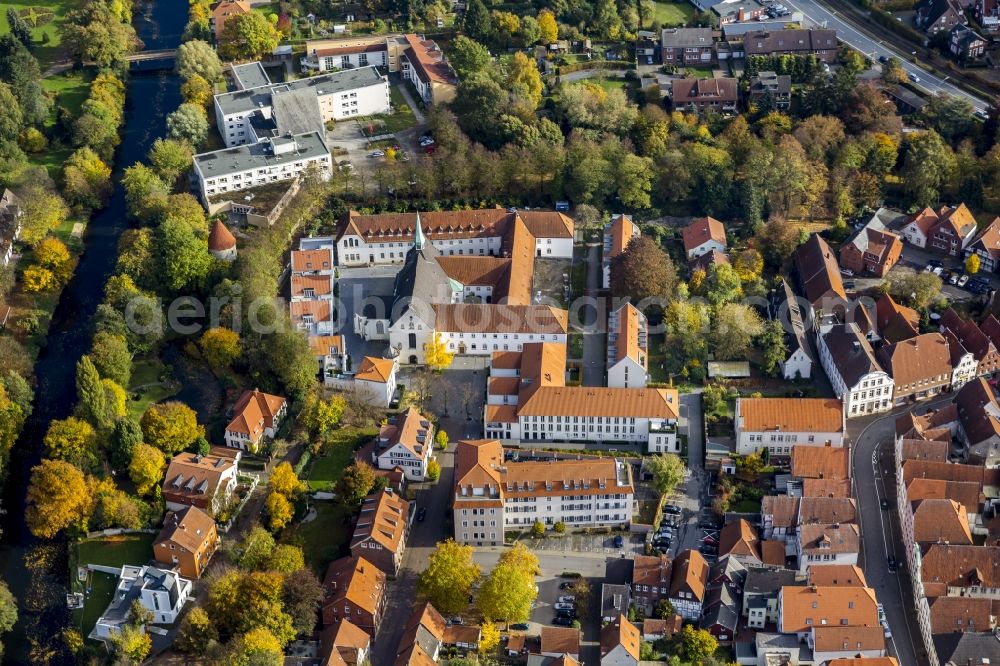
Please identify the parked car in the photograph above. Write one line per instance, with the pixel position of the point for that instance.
(567, 599)
(883, 59)
(953, 278)
(891, 563)
(962, 281)
(565, 585)
(885, 503)
(672, 510)
(520, 626)
(938, 270)
(706, 549)
(566, 612)
(847, 271)
(881, 612)
(563, 605)
(936, 263)
(562, 621)
(619, 541)
(455, 619)
(849, 284)
(377, 153)
(421, 514)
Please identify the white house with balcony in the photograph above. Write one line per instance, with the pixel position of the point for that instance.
(163, 593)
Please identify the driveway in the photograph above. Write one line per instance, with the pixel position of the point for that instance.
(873, 469)
(595, 347)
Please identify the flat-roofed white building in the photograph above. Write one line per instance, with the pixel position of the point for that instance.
(253, 114)
(269, 161)
(491, 495)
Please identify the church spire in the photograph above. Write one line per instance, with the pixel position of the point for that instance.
(418, 237)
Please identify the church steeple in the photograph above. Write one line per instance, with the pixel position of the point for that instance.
(418, 236)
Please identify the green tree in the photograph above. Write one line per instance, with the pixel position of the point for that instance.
(667, 470)
(972, 264)
(951, 117)
(12, 122)
(184, 258)
(356, 483)
(928, 165)
(20, 70)
(301, 595)
(57, 498)
(530, 33)
(664, 609)
(320, 416)
(196, 90)
(449, 576)
(44, 210)
(507, 593)
(433, 471)
(247, 37)
(538, 528)
(171, 158)
(723, 285)
(772, 346)
(919, 290)
(170, 426)
(220, 346)
(287, 559)
(279, 511)
(146, 468)
(72, 440)
(697, 644)
(198, 58)
(189, 122)
(132, 644)
(548, 26)
(607, 20)
(111, 357)
(643, 271)
(8, 610)
(241, 601)
(86, 179)
(477, 23)
(524, 79)
(93, 33)
(441, 439)
(196, 632)
(257, 647)
(734, 328)
(92, 404)
(127, 436)
(255, 550)
(468, 57)
(19, 28)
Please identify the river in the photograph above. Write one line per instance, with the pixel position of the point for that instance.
(149, 98)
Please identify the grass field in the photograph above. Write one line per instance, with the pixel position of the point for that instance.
(673, 13)
(146, 372)
(71, 90)
(323, 537)
(699, 72)
(49, 17)
(326, 469)
(612, 84)
(112, 552)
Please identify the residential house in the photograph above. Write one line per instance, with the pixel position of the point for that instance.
(795, 321)
(827, 511)
(733, 11)
(895, 322)
(407, 442)
(11, 214)
(836, 575)
(225, 10)
(979, 423)
(344, 644)
(760, 594)
(647, 48)
(559, 641)
(163, 593)
(462, 636)
(423, 64)
(965, 44)
(948, 230)
(920, 367)
(986, 246)
(355, 590)
(618, 233)
(820, 462)
(651, 579)
(687, 47)
(872, 249)
(616, 598)
(620, 643)
(628, 348)
(528, 400)
(988, 14)
(819, 275)
(826, 488)
(707, 261)
(976, 340)
(256, 415)
(778, 423)
(856, 376)
(704, 235)
(771, 90)
(187, 541)
(381, 531)
(491, 496)
(831, 643)
(964, 367)
(827, 544)
(206, 482)
(354, 51)
(951, 615)
(779, 516)
(689, 577)
(956, 649)
(939, 521)
(654, 630)
(721, 608)
(832, 621)
(331, 353)
(934, 16)
(422, 638)
(375, 380)
(820, 43)
(739, 541)
(720, 95)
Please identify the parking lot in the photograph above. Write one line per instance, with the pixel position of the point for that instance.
(632, 544)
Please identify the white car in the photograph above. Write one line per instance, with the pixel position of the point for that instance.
(377, 153)
(963, 280)
(938, 270)
(953, 279)
(563, 606)
(566, 599)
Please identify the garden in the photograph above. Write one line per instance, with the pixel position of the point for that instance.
(44, 21)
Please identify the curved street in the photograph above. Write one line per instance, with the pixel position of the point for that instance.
(874, 478)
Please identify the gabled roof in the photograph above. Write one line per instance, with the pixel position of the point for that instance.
(967, 648)
(343, 636)
(327, 345)
(836, 575)
(739, 538)
(619, 232)
(422, 637)
(560, 640)
(194, 476)
(921, 449)
(857, 639)
(827, 510)
(988, 240)
(688, 91)
(188, 528)
(804, 608)
(960, 614)
(978, 411)
(651, 570)
(923, 358)
(356, 580)
(821, 415)
(373, 369)
(703, 230)
(498, 318)
(896, 322)
(967, 493)
(621, 632)
(819, 271)
(411, 430)
(941, 521)
(821, 462)
(851, 353)
(959, 566)
(826, 488)
(690, 573)
(798, 323)
(477, 463)
(783, 509)
(382, 520)
(829, 538)
(254, 411)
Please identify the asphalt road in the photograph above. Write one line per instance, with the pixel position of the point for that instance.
(874, 47)
(595, 346)
(873, 468)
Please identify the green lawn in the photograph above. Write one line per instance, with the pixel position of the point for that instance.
(327, 468)
(323, 537)
(147, 371)
(112, 552)
(49, 17)
(401, 119)
(673, 13)
(611, 84)
(745, 506)
(71, 89)
(699, 72)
